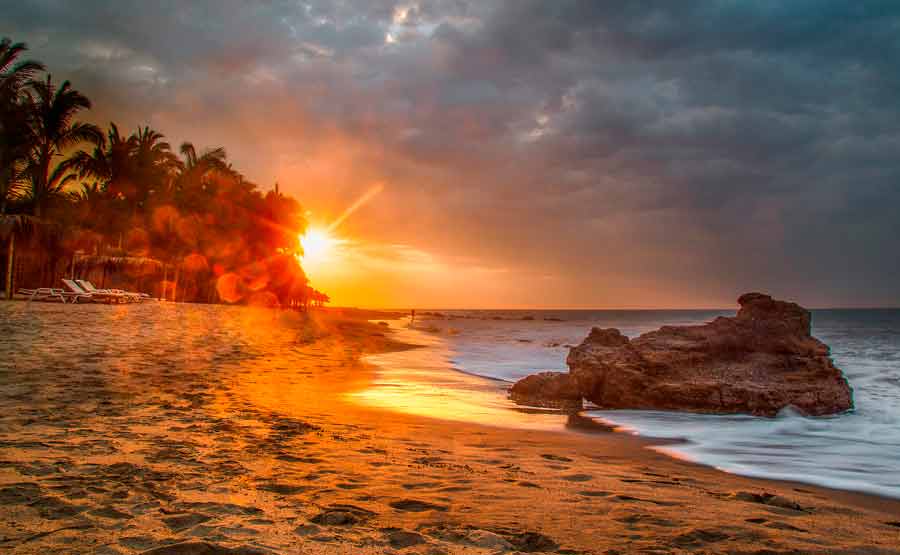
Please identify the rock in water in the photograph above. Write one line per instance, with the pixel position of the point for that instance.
(556, 390)
(758, 362)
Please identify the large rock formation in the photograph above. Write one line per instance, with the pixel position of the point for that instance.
(758, 362)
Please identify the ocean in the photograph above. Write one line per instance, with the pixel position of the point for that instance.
(470, 357)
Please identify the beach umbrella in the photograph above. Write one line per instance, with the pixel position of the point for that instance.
(137, 264)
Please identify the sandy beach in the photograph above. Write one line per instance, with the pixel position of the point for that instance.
(177, 429)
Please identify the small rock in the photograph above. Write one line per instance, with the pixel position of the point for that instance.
(556, 390)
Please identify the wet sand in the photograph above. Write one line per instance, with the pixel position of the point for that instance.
(174, 429)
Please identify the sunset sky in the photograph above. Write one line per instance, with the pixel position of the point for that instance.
(531, 153)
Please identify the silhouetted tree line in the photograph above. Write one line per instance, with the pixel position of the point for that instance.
(129, 209)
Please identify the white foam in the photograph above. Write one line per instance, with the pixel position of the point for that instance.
(856, 451)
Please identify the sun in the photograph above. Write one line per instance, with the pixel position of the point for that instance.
(317, 244)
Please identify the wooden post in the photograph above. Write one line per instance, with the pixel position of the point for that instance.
(9, 266)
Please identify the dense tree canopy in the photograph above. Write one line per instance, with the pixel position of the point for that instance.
(100, 195)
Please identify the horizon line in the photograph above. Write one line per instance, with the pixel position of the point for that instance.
(428, 309)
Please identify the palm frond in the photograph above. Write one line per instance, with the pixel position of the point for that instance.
(13, 74)
(80, 133)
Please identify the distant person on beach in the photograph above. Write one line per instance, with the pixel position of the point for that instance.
(412, 316)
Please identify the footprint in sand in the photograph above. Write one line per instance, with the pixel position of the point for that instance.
(139, 543)
(699, 537)
(558, 458)
(531, 542)
(109, 512)
(218, 508)
(342, 515)
(594, 493)
(648, 519)
(401, 539)
(769, 499)
(416, 506)
(777, 525)
(421, 485)
(560, 467)
(52, 508)
(453, 489)
(630, 499)
(307, 530)
(284, 489)
(203, 548)
(302, 460)
(578, 478)
(183, 522)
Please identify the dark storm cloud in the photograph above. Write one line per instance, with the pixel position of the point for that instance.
(695, 148)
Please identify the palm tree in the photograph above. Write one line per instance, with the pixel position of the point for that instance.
(112, 166)
(14, 111)
(13, 141)
(52, 133)
(192, 186)
(212, 158)
(154, 164)
(12, 74)
(111, 163)
(91, 200)
(53, 185)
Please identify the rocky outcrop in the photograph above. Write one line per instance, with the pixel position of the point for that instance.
(758, 362)
(556, 390)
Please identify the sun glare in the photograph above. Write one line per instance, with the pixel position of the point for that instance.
(317, 243)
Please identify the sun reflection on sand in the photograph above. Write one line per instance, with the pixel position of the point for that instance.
(421, 381)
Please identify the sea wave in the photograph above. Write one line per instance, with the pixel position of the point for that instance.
(858, 451)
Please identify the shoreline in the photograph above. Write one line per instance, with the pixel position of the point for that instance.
(640, 448)
(144, 446)
(592, 425)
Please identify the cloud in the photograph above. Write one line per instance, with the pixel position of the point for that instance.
(640, 154)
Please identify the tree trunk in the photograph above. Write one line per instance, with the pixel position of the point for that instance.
(164, 284)
(9, 266)
(175, 284)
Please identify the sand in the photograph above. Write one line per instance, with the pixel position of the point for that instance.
(172, 429)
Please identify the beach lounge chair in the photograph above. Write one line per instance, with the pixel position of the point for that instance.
(89, 287)
(75, 293)
(43, 294)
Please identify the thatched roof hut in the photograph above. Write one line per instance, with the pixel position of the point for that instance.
(130, 264)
